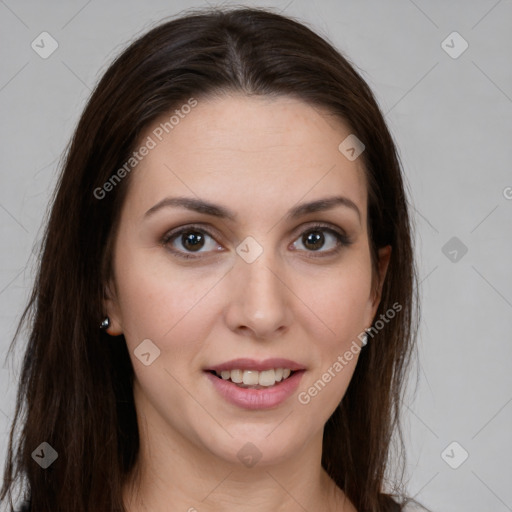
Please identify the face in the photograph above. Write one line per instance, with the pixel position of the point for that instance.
(256, 275)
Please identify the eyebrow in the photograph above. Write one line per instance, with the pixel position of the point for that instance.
(215, 210)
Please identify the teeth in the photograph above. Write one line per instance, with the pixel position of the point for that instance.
(253, 378)
(267, 378)
(237, 376)
(250, 377)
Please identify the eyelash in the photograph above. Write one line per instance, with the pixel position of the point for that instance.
(342, 239)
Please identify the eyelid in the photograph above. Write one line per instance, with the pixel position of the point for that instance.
(329, 226)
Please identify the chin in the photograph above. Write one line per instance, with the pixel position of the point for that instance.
(256, 445)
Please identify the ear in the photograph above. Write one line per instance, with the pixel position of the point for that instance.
(112, 310)
(384, 256)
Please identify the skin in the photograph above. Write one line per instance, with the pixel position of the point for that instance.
(241, 153)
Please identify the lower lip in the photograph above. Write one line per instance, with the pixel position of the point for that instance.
(248, 398)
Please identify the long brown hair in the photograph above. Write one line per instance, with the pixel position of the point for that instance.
(75, 388)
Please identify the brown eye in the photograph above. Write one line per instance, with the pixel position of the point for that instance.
(317, 237)
(186, 241)
(313, 240)
(192, 240)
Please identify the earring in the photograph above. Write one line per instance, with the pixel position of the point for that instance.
(364, 341)
(105, 324)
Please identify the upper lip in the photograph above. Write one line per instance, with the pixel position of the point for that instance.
(253, 364)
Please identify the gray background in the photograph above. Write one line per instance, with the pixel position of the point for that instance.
(451, 118)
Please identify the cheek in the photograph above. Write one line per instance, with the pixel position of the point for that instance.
(339, 304)
(339, 300)
(159, 301)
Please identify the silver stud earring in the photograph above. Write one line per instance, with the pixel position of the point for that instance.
(105, 324)
(365, 337)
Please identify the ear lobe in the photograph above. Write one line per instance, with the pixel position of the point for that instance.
(111, 309)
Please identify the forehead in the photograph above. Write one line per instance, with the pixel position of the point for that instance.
(251, 151)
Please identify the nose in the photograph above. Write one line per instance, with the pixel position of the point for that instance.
(259, 298)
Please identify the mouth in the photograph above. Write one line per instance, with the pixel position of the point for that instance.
(252, 374)
(254, 379)
(256, 389)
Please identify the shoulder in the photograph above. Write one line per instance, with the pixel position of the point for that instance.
(23, 507)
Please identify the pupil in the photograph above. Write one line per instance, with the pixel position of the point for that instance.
(315, 238)
(193, 240)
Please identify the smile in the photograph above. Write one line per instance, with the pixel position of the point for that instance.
(255, 379)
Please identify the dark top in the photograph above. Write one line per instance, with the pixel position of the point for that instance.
(24, 507)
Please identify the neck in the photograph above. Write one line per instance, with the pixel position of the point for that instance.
(236, 489)
(173, 471)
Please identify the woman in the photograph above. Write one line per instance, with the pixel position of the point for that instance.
(225, 308)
